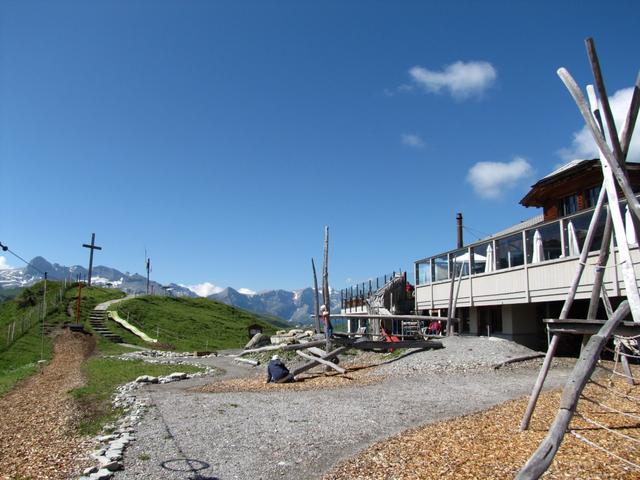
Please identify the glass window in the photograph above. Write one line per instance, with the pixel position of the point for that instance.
(580, 226)
(460, 260)
(569, 205)
(591, 196)
(479, 258)
(549, 246)
(424, 273)
(440, 268)
(509, 251)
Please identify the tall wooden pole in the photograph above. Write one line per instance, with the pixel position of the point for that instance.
(325, 282)
(316, 297)
(44, 314)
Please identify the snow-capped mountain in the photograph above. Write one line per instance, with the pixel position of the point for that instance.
(101, 276)
(296, 307)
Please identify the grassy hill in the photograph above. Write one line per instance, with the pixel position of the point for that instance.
(190, 324)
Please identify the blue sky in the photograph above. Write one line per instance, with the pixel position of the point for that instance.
(223, 136)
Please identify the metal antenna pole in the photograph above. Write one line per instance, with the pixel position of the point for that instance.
(91, 248)
(148, 268)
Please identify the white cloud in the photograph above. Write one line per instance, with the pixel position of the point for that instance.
(490, 179)
(4, 265)
(246, 291)
(461, 79)
(412, 140)
(583, 145)
(204, 289)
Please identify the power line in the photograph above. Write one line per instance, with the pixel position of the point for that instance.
(7, 249)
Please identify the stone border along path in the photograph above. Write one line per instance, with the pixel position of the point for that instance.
(302, 434)
(116, 437)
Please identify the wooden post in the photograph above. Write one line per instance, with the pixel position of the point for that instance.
(44, 314)
(449, 326)
(325, 284)
(78, 302)
(543, 456)
(316, 297)
(603, 258)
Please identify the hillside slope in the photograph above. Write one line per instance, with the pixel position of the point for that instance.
(189, 324)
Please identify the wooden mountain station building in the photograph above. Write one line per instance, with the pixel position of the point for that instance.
(512, 280)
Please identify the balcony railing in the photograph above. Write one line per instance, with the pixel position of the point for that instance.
(355, 296)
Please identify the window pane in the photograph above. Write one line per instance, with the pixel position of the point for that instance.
(424, 273)
(460, 260)
(441, 268)
(479, 258)
(569, 205)
(509, 252)
(550, 243)
(581, 227)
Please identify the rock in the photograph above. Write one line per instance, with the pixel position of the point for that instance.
(177, 376)
(146, 379)
(114, 454)
(90, 470)
(101, 474)
(113, 466)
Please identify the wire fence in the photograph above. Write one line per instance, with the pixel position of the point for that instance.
(25, 318)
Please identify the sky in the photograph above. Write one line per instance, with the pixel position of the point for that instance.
(223, 136)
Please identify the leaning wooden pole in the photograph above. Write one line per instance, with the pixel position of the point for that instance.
(316, 298)
(539, 462)
(325, 284)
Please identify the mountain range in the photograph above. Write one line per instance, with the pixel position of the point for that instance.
(295, 306)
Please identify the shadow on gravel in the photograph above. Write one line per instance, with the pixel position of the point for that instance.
(188, 465)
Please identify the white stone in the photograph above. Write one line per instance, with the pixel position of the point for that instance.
(90, 470)
(101, 474)
(146, 379)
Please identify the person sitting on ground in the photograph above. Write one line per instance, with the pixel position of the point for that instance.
(276, 370)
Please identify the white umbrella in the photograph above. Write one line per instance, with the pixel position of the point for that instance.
(464, 258)
(574, 248)
(629, 228)
(488, 266)
(538, 248)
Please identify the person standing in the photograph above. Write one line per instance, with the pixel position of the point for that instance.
(328, 328)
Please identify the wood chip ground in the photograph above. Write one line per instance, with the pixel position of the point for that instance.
(37, 437)
(490, 445)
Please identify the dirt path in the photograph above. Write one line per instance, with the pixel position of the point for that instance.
(37, 439)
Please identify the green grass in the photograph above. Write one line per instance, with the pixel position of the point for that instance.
(103, 376)
(18, 360)
(189, 324)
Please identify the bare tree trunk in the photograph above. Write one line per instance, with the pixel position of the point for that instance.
(325, 283)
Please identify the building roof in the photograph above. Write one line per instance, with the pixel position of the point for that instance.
(540, 190)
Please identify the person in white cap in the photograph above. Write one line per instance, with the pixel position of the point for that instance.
(276, 370)
(328, 328)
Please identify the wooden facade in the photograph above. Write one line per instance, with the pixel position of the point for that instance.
(575, 183)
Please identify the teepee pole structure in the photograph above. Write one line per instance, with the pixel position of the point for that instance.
(612, 161)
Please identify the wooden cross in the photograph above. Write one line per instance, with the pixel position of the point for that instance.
(91, 248)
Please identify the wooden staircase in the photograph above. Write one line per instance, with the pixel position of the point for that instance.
(97, 319)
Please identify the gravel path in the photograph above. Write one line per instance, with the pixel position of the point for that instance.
(302, 434)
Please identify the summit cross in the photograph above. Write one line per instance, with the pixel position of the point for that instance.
(91, 248)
